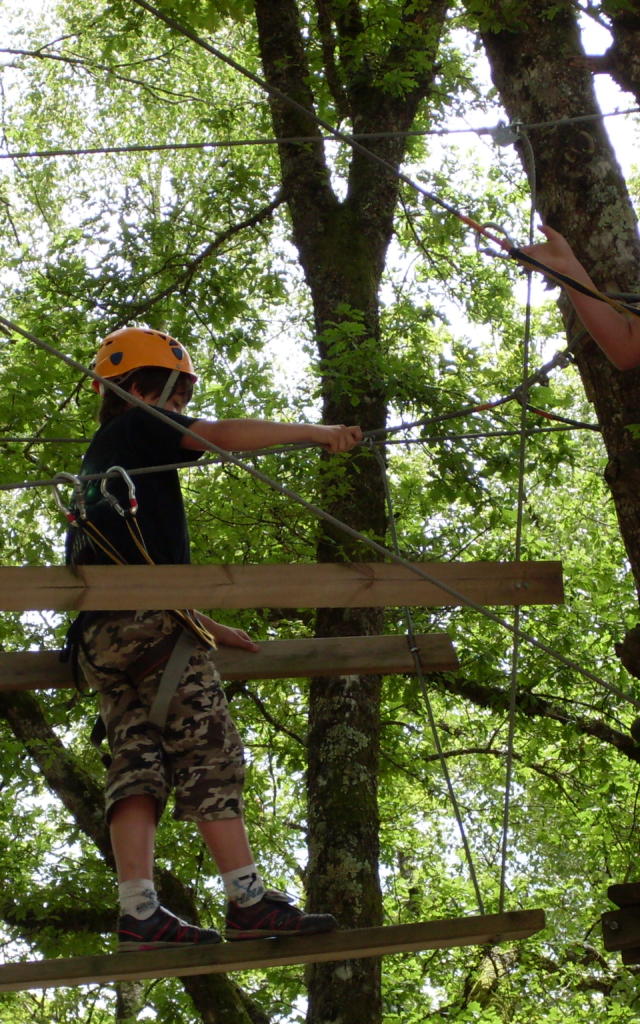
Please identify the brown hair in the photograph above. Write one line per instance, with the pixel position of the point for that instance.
(150, 380)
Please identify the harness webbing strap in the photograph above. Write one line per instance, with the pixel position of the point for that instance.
(171, 675)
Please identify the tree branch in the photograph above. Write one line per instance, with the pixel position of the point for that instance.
(268, 717)
(135, 310)
(91, 67)
(537, 707)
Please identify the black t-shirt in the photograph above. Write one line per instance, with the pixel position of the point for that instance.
(133, 440)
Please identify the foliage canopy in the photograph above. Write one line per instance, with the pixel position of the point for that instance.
(172, 205)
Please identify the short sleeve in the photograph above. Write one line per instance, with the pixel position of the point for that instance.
(156, 441)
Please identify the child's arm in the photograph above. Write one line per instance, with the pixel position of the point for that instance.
(248, 435)
(617, 336)
(227, 636)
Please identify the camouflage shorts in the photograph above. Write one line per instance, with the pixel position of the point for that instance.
(198, 752)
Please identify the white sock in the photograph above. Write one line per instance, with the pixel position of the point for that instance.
(244, 885)
(138, 898)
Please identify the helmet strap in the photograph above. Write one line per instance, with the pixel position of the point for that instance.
(168, 388)
(120, 381)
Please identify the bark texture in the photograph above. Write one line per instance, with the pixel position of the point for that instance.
(541, 75)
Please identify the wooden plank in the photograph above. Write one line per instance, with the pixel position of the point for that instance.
(352, 585)
(276, 659)
(624, 894)
(244, 956)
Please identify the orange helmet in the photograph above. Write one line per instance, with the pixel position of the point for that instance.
(131, 348)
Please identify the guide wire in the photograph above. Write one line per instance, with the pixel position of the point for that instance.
(159, 147)
(420, 676)
(381, 435)
(560, 359)
(517, 615)
(30, 485)
(469, 435)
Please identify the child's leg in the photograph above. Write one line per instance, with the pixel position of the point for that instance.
(252, 911)
(208, 780)
(133, 830)
(143, 923)
(227, 842)
(133, 833)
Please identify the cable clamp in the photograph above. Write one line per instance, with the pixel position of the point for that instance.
(561, 360)
(504, 135)
(111, 498)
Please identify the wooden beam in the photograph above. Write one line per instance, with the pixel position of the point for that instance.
(621, 929)
(276, 659)
(352, 585)
(244, 956)
(630, 957)
(625, 894)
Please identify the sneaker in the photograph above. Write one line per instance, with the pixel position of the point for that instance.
(161, 929)
(271, 916)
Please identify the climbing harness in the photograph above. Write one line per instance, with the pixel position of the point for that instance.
(177, 662)
(173, 652)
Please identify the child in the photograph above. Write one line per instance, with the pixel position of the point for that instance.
(192, 745)
(617, 335)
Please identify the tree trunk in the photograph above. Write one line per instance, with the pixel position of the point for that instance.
(541, 76)
(342, 247)
(129, 1001)
(623, 56)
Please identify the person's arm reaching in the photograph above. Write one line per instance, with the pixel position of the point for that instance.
(246, 435)
(617, 335)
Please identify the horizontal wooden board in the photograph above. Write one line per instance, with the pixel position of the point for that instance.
(245, 956)
(276, 659)
(350, 585)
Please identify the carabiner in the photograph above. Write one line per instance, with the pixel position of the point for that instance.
(78, 494)
(106, 493)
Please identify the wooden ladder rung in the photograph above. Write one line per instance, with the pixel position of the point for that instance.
(316, 585)
(277, 659)
(244, 956)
